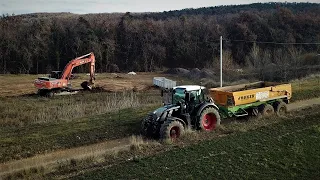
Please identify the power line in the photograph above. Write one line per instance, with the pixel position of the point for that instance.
(271, 42)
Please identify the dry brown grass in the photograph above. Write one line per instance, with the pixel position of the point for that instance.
(307, 83)
(136, 142)
(13, 85)
(26, 110)
(190, 134)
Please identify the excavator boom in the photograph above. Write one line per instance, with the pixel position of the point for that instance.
(88, 58)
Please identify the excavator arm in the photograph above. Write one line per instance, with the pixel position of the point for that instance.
(88, 58)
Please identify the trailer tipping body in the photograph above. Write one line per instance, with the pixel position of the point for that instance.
(239, 99)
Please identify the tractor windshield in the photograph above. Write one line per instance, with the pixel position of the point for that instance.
(179, 95)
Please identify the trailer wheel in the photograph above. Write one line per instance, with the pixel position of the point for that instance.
(280, 108)
(171, 129)
(209, 119)
(266, 110)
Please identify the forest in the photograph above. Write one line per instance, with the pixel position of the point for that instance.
(253, 36)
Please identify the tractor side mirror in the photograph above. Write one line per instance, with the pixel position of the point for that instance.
(187, 98)
(161, 93)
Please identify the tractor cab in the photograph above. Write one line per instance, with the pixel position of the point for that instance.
(188, 94)
(188, 97)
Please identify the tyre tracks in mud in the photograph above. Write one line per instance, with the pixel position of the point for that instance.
(51, 160)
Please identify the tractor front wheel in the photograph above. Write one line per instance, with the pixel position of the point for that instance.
(209, 119)
(171, 129)
(146, 127)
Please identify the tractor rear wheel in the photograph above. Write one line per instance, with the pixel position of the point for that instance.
(209, 119)
(266, 110)
(171, 129)
(280, 108)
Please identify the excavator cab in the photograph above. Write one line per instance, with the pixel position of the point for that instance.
(55, 74)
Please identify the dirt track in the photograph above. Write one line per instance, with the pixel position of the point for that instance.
(302, 104)
(51, 159)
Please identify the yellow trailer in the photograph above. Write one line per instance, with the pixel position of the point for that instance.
(254, 98)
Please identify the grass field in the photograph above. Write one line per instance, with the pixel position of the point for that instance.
(306, 88)
(138, 148)
(20, 106)
(26, 141)
(28, 110)
(288, 149)
(31, 125)
(24, 108)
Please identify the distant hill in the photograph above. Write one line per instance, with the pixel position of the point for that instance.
(233, 9)
(254, 35)
(45, 15)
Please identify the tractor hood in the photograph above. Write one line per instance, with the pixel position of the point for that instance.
(158, 112)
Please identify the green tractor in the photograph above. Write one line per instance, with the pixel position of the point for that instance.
(188, 108)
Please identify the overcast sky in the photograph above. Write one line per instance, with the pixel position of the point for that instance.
(100, 6)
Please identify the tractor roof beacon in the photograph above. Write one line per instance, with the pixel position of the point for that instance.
(190, 87)
(189, 108)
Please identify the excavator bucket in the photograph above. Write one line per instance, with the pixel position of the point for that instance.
(87, 85)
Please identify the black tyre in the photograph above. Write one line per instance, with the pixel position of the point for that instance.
(266, 110)
(171, 129)
(49, 94)
(42, 92)
(280, 108)
(209, 119)
(146, 127)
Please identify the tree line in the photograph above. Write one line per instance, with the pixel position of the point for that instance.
(39, 43)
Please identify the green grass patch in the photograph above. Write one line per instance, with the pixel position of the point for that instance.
(306, 94)
(286, 150)
(306, 88)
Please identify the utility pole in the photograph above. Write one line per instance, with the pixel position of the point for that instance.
(220, 61)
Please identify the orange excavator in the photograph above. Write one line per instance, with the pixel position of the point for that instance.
(58, 83)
